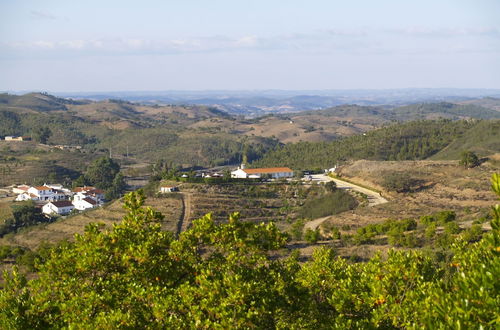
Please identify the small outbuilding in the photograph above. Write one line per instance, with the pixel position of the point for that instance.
(168, 189)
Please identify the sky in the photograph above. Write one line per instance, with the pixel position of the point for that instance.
(149, 45)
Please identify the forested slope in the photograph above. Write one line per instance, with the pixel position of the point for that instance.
(406, 141)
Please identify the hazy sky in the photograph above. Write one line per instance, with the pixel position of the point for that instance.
(234, 44)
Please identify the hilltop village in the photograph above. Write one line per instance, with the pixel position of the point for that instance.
(54, 199)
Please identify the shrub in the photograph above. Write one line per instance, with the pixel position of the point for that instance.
(401, 183)
(445, 216)
(469, 159)
(473, 234)
(430, 231)
(328, 204)
(312, 236)
(297, 229)
(451, 228)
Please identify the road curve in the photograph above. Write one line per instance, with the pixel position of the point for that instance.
(374, 198)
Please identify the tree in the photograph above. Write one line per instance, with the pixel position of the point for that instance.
(331, 186)
(23, 215)
(79, 182)
(101, 172)
(468, 159)
(42, 134)
(117, 187)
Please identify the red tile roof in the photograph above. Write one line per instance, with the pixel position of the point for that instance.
(267, 170)
(86, 188)
(90, 201)
(62, 203)
(43, 188)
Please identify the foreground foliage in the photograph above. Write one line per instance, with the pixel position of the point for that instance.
(221, 276)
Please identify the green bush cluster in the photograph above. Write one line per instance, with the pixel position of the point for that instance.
(393, 228)
(327, 204)
(440, 218)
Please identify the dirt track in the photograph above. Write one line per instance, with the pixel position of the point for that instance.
(186, 213)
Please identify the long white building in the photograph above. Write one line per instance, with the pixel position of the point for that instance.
(255, 173)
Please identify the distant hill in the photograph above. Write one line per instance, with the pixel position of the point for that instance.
(35, 101)
(487, 102)
(256, 103)
(443, 110)
(191, 135)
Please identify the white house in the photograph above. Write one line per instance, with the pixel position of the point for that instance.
(41, 193)
(85, 203)
(168, 189)
(26, 196)
(273, 172)
(58, 207)
(45, 193)
(94, 193)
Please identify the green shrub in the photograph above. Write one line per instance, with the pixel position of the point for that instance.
(312, 236)
(473, 234)
(445, 216)
(401, 183)
(328, 204)
(430, 231)
(297, 229)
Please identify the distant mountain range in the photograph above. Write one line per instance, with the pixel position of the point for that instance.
(256, 103)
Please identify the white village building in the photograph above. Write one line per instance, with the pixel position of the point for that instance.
(94, 193)
(87, 198)
(273, 172)
(85, 203)
(42, 193)
(20, 189)
(58, 207)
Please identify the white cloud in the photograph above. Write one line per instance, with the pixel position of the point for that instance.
(420, 31)
(411, 40)
(41, 44)
(42, 15)
(247, 41)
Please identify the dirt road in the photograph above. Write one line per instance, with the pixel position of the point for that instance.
(186, 212)
(374, 198)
